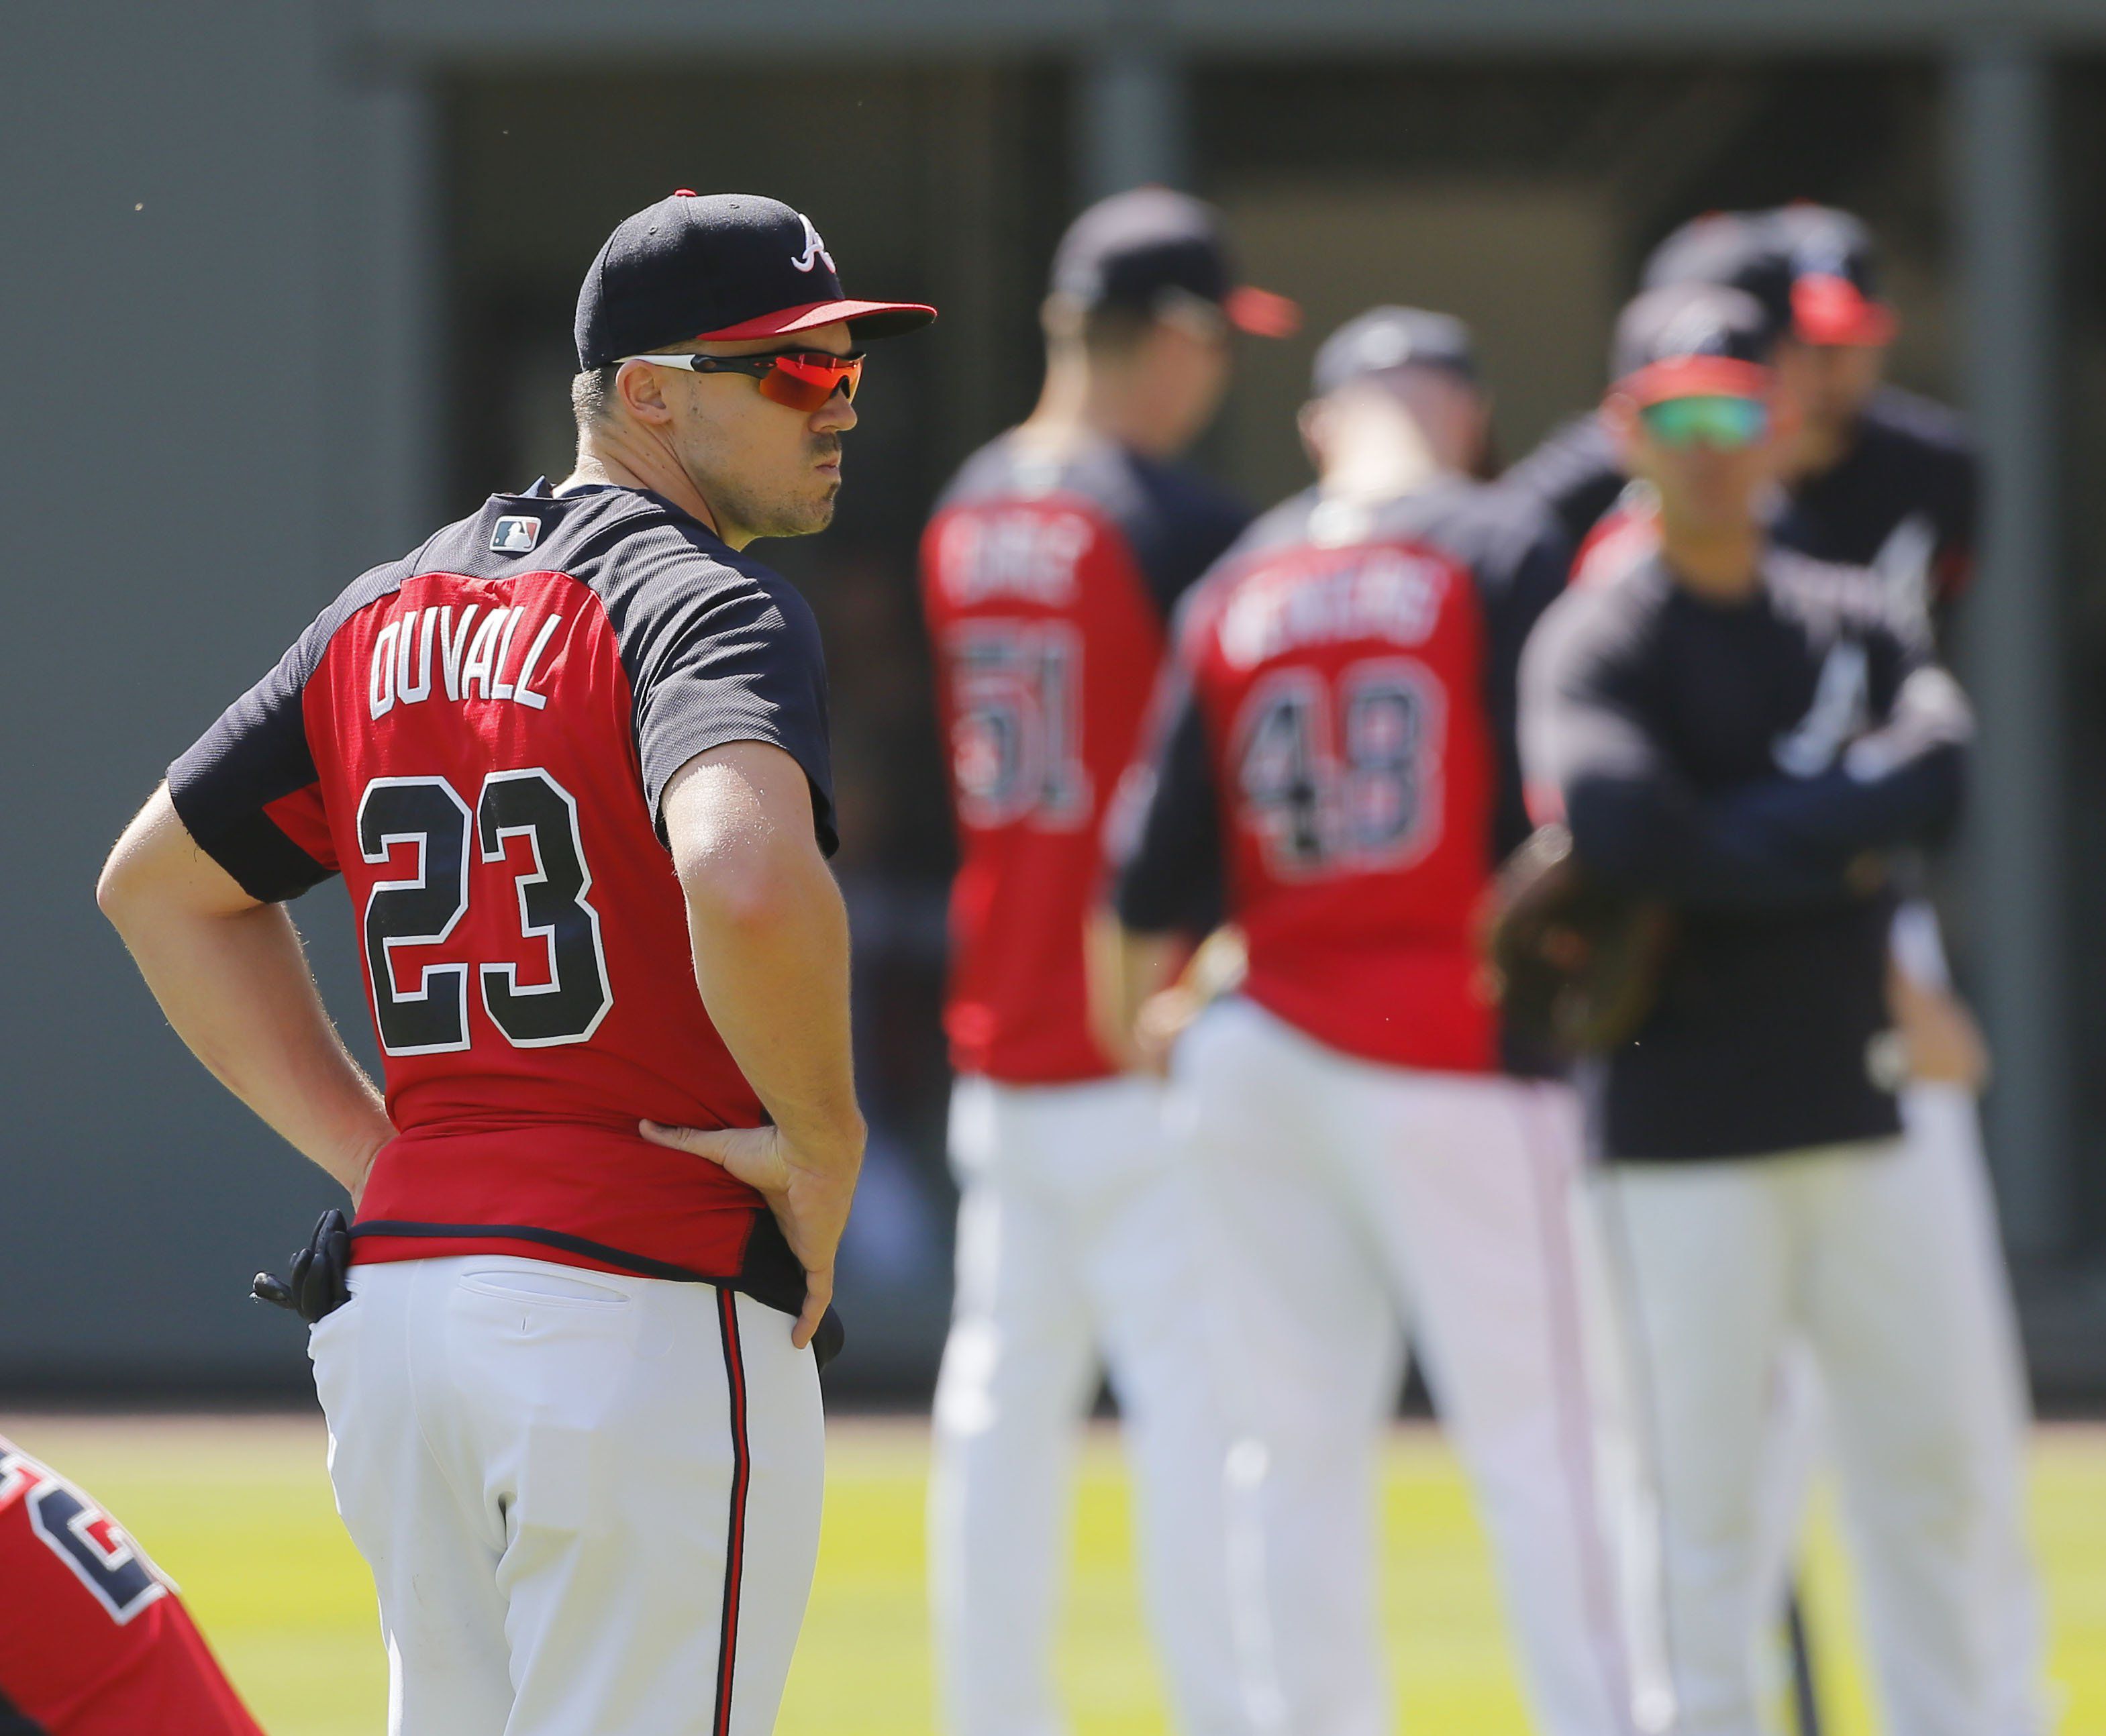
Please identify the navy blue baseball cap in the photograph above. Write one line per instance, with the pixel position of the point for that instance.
(719, 265)
(1834, 276)
(1812, 267)
(1146, 249)
(1692, 340)
(1386, 338)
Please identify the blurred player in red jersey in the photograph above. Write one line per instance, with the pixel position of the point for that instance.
(1338, 765)
(1049, 574)
(94, 1640)
(570, 757)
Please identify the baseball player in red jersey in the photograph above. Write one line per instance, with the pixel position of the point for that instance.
(94, 1640)
(1049, 573)
(1337, 760)
(570, 756)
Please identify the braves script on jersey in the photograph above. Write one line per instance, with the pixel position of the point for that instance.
(1339, 744)
(476, 737)
(1735, 757)
(93, 1641)
(1046, 585)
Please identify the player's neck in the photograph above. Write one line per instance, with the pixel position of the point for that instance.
(1385, 471)
(1723, 566)
(1082, 402)
(1817, 449)
(609, 454)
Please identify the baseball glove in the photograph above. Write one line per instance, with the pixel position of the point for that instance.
(1576, 964)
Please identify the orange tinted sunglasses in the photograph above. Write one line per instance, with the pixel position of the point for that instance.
(801, 379)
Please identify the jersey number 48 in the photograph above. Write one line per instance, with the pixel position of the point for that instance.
(1342, 775)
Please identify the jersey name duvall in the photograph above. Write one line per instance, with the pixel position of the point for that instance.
(473, 656)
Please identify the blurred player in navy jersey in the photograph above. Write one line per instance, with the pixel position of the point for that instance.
(1879, 478)
(1758, 739)
(1049, 572)
(1336, 775)
(94, 1640)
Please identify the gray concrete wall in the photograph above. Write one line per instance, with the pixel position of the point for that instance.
(184, 349)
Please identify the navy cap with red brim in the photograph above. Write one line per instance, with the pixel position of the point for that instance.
(722, 266)
(865, 319)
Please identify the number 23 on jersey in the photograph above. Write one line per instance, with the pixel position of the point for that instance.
(536, 959)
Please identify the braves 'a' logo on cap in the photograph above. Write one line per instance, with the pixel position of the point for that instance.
(1697, 331)
(815, 249)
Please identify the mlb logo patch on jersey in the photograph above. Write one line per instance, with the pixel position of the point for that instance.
(515, 536)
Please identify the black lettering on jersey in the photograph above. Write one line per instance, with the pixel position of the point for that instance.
(99, 1551)
(569, 1006)
(424, 911)
(419, 910)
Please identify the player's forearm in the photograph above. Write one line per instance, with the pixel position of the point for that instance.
(1126, 967)
(1644, 835)
(771, 946)
(236, 987)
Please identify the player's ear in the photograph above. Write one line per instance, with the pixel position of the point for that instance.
(640, 387)
(1314, 421)
(1619, 416)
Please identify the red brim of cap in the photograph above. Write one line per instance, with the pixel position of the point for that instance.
(1261, 313)
(1694, 377)
(865, 319)
(1833, 310)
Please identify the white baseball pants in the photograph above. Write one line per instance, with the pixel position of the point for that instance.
(1078, 1238)
(1355, 1198)
(590, 1502)
(1941, 1152)
(1942, 1159)
(1722, 1263)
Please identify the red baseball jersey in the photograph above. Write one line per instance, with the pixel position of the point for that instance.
(1047, 584)
(93, 1639)
(1337, 754)
(476, 738)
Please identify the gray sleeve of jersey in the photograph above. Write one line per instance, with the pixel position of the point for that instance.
(736, 660)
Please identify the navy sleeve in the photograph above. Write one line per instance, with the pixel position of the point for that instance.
(1169, 870)
(1575, 472)
(246, 789)
(1899, 785)
(731, 661)
(1633, 817)
(1182, 526)
(1521, 574)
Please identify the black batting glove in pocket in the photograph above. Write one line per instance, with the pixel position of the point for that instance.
(314, 1285)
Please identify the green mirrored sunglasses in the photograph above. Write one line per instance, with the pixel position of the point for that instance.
(1711, 420)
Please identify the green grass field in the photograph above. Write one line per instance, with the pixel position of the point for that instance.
(238, 1512)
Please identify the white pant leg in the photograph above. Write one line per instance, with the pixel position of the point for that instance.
(1892, 1329)
(651, 1456)
(1159, 1295)
(1941, 1156)
(1941, 1132)
(1703, 1253)
(1469, 1180)
(1317, 1357)
(1017, 1374)
(434, 1556)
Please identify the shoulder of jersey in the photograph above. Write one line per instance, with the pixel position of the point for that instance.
(1574, 455)
(1125, 486)
(610, 539)
(1909, 420)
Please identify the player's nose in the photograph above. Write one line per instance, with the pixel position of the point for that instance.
(835, 416)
